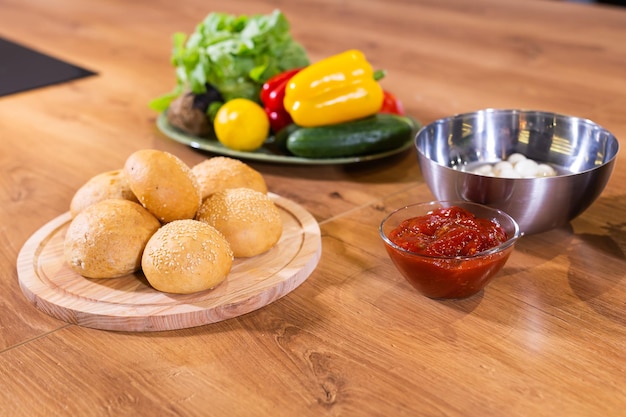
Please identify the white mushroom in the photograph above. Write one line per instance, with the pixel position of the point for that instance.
(526, 167)
(515, 158)
(516, 166)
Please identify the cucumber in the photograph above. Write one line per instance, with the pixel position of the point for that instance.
(280, 138)
(374, 134)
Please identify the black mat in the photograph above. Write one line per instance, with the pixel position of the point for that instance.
(22, 69)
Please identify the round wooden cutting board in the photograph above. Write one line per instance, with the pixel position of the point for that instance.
(129, 303)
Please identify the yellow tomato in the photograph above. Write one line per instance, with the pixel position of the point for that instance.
(241, 124)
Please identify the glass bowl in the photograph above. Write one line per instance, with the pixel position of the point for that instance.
(444, 277)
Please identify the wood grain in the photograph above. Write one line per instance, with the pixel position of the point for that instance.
(129, 303)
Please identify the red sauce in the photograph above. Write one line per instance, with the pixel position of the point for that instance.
(448, 231)
(442, 235)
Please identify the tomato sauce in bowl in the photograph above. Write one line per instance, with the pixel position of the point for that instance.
(449, 249)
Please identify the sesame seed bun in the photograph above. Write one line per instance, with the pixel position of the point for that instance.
(107, 239)
(104, 186)
(186, 256)
(220, 173)
(248, 219)
(163, 184)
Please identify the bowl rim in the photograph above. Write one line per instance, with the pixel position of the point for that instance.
(516, 111)
(511, 240)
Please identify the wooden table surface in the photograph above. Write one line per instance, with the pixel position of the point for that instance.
(546, 338)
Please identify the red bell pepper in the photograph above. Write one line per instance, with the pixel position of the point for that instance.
(272, 95)
(391, 104)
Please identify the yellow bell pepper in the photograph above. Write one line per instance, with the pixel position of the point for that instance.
(337, 89)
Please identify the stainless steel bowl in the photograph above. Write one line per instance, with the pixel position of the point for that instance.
(582, 152)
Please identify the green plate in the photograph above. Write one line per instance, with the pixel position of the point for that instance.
(268, 152)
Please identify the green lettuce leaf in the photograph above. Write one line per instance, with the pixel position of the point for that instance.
(234, 54)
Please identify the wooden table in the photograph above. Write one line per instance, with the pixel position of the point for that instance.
(546, 338)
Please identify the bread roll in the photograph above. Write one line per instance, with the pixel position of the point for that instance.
(104, 186)
(248, 219)
(107, 239)
(186, 256)
(163, 184)
(220, 173)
